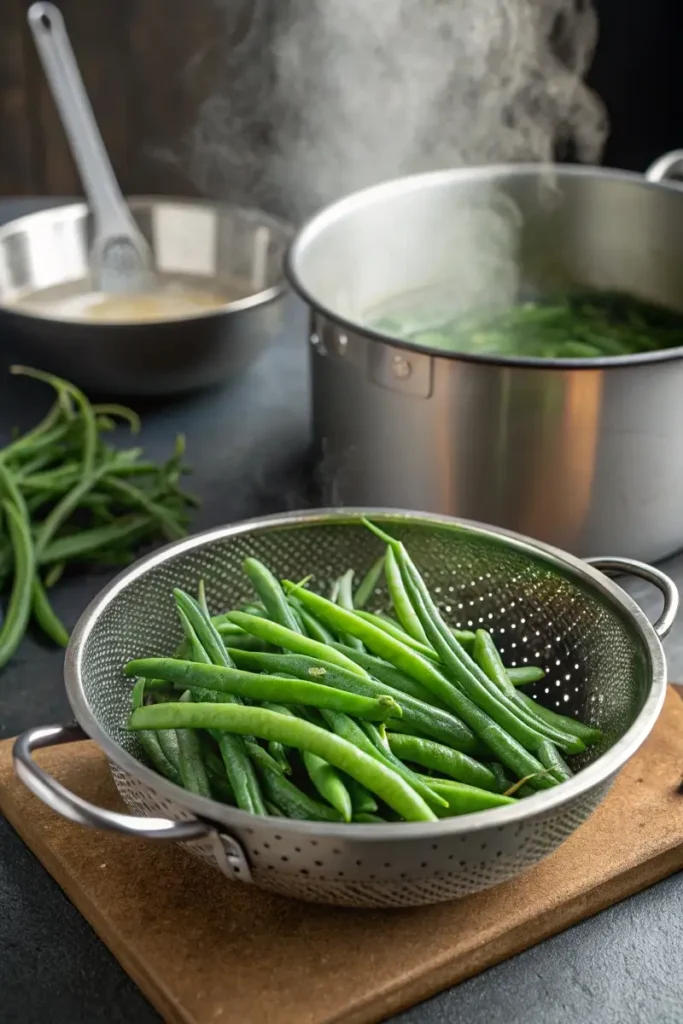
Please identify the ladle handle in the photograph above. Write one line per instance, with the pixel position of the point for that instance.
(97, 174)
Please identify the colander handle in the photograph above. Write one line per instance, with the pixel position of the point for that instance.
(74, 807)
(630, 567)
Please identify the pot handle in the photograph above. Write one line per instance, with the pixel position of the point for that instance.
(666, 167)
(74, 807)
(630, 567)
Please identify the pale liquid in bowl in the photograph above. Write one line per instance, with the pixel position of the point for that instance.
(172, 300)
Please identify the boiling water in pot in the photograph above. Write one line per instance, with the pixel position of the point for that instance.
(572, 325)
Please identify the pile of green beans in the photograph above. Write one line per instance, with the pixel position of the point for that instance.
(578, 325)
(67, 497)
(305, 706)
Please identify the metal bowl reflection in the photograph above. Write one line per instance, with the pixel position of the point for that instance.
(214, 248)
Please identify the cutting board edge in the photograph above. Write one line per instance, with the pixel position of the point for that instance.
(396, 998)
(167, 1006)
(450, 973)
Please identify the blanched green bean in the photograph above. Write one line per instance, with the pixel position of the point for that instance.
(368, 585)
(417, 715)
(279, 636)
(293, 732)
(270, 592)
(188, 674)
(443, 759)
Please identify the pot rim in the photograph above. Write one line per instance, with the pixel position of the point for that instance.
(414, 182)
(539, 805)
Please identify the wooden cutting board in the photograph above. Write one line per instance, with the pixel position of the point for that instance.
(207, 950)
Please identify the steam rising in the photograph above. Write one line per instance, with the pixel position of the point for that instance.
(322, 97)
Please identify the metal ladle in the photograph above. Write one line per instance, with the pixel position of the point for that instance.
(120, 258)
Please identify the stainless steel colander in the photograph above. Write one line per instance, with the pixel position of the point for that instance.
(603, 659)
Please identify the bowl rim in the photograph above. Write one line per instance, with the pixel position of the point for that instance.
(338, 209)
(225, 818)
(76, 210)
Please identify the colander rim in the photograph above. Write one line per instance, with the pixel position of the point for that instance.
(541, 804)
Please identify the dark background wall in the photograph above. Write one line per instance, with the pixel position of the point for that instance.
(149, 63)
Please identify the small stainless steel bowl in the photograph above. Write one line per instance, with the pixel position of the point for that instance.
(194, 242)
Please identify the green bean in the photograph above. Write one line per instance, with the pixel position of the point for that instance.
(122, 411)
(382, 622)
(368, 585)
(399, 598)
(45, 616)
(488, 659)
(521, 675)
(279, 636)
(135, 496)
(553, 762)
(207, 649)
(54, 574)
(89, 424)
(192, 769)
(365, 818)
(464, 799)
(502, 781)
(329, 784)
(291, 801)
(392, 676)
(362, 800)
(292, 732)
(385, 622)
(149, 741)
(417, 716)
(258, 754)
(208, 635)
(152, 748)
(588, 733)
(345, 599)
(238, 767)
(506, 748)
(473, 682)
(19, 606)
(168, 741)
(78, 545)
(270, 592)
(442, 759)
(242, 641)
(186, 674)
(351, 731)
(28, 441)
(313, 628)
(279, 755)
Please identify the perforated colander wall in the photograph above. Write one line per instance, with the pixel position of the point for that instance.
(540, 613)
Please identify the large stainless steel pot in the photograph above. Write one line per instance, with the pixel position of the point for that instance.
(583, 454)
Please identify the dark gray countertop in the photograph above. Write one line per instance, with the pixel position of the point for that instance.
(247, 442)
